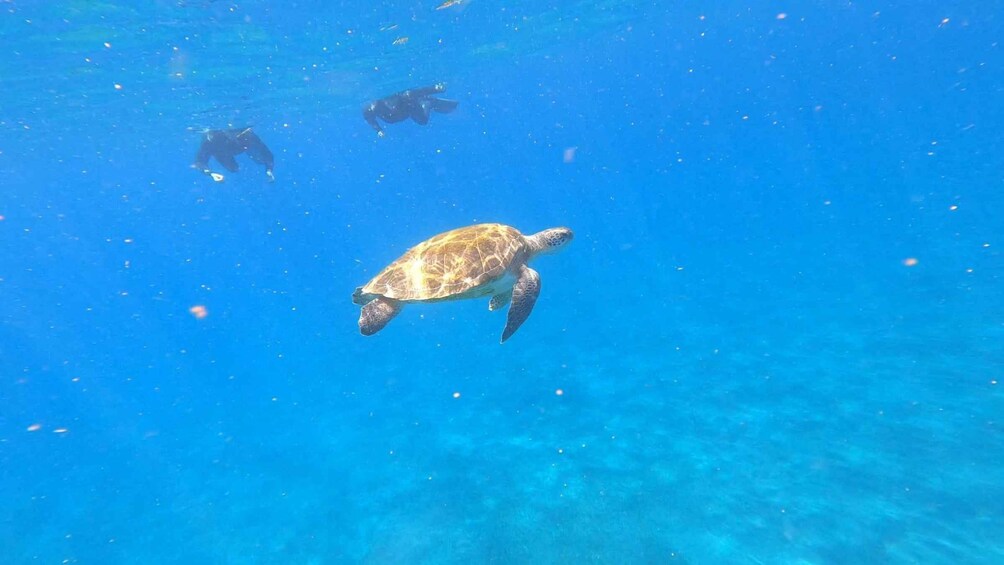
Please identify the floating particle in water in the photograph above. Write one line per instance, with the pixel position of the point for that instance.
(199, 311)
(559, 392)
(401, 40)
(953, 207)
(34, 427)
(60, 431)
(448, 4)
(2, 218)
(569, 154)
(456, 395)
(118, 86)
(388, 27)
(781, 16)
(910, 262)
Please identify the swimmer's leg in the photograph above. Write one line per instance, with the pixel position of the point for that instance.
(420, 111)
(228, 162)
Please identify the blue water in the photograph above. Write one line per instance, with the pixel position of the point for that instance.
(750, 372)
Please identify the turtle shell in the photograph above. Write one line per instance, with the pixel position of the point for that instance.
(461, 263)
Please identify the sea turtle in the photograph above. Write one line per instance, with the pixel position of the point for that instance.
(471, 262)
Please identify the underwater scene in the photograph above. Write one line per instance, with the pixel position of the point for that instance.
(469, 281)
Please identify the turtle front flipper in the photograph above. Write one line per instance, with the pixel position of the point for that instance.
(524, 296)
(500, 300)
(376, 313)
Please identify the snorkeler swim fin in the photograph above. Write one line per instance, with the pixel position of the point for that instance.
(444, 106)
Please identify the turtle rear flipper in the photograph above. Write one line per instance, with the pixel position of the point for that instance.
(524, 296)
(375, 315)
(357, 296)
(500, 300)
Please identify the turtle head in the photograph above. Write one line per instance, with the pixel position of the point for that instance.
(550, 240)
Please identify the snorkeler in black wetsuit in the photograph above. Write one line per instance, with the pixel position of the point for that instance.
(416, 103)
(224, 145)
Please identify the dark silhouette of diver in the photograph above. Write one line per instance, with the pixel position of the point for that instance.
(415, 103)
(224, 145)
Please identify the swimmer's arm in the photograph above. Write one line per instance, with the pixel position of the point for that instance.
(266, 158)
(370, 117)
(260, 152)
(202, 158)
(202, 164)
(209, 173)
